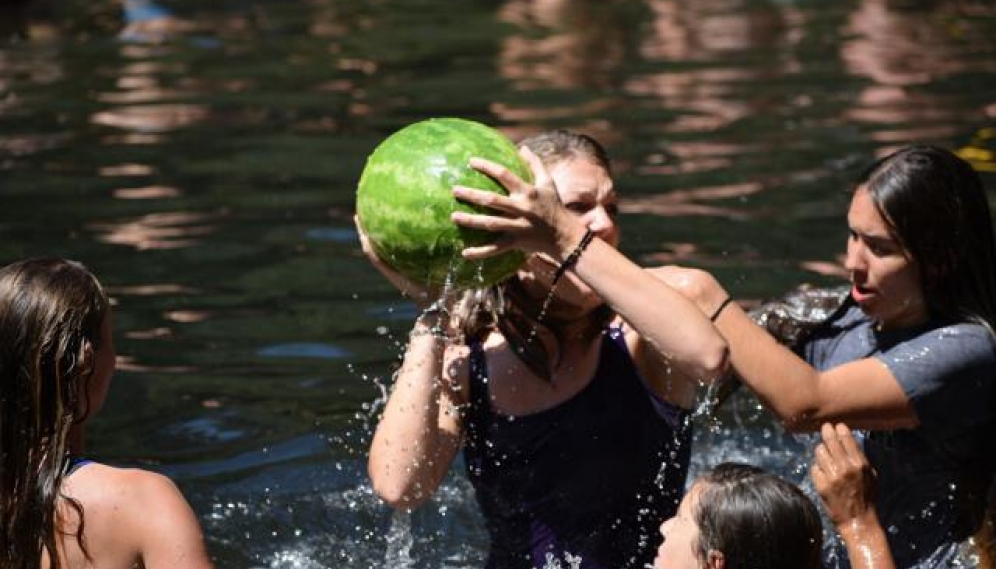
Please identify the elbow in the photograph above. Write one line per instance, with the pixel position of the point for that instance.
(714, 362)
(398, 493)
(397, 497)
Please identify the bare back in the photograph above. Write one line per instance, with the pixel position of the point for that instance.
(131, 519)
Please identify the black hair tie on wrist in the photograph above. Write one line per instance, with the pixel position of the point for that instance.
(719, 310)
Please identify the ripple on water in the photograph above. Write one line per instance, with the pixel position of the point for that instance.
(303, 350)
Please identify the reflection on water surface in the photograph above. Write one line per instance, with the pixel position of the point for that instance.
(204, 166)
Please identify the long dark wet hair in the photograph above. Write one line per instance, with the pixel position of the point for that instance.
(936, 206)
(509, 307)
(756, 519)
(51, 313)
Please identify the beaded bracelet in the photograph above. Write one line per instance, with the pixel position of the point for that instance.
(572, 259)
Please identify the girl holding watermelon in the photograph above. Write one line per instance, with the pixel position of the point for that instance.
(565, 408)
(909, 357)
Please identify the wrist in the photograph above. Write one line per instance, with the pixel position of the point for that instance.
(860, 526)
(567, 237)
(430, 335)
(718, 311)
(713, 299)
(435, 315)
(433, 322)
(572, 258)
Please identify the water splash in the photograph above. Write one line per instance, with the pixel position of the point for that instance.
(552, 562)
(399, 542)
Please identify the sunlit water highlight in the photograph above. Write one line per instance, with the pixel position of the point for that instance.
(204, 166)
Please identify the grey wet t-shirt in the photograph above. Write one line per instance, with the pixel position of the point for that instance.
(931, 479)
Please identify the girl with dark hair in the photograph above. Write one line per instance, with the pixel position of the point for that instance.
(572, 417)
(910, 356)
(59, 510)
(737, 516)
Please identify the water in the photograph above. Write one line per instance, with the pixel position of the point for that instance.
(206, 169)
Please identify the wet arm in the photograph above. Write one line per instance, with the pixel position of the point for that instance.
(867, 547)
(863, 393)
(665, 319)
(419, 433)
(844, 480)
(534, 220)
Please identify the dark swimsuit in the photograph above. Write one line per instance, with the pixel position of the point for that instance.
(74, 463)
(593, 477)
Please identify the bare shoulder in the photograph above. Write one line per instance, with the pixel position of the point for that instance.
(691, 282)
(141, 511)
(98, 485)
(129, 494)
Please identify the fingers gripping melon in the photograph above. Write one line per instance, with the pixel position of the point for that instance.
(404, 200)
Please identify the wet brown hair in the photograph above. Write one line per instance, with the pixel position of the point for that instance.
(756, 519)
(51, 313)
(936, 206)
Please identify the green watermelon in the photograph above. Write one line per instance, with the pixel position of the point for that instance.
(404, 201)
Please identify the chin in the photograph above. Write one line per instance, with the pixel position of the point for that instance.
(868, 309)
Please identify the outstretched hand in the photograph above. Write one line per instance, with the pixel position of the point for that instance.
(842, 476)
(530, 218)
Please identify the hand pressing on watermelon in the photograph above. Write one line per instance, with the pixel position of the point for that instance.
(535, 219)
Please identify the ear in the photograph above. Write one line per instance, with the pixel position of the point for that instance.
(85, 361)
(715, 559)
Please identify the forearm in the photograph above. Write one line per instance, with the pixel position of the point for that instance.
(407, 455)
(867, 547)
(783, 381)
(667, 320)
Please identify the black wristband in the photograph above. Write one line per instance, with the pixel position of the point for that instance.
(572, 259)
(719, 310)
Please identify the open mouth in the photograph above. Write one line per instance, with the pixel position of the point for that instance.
(861, 294)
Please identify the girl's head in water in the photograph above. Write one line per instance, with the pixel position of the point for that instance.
(739, 517)
(921, 240)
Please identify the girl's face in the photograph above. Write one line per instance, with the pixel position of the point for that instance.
(104, 363)
(681, 536)
(884, 277)
(587, 191)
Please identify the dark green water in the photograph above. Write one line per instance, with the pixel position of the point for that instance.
(208, 178)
